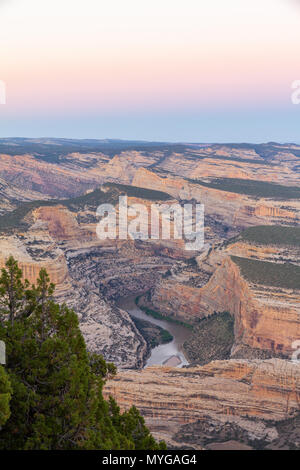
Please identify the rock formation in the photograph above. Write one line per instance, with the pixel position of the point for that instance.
(247, 394)
(266, 317)
(252, 401)
(235, 210)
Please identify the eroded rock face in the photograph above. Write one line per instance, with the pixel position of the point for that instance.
(212, 166)
(51, 239)
(40, 176)
(266, 318)
(107, 329)
(272, 253)
(73, 174)
(235, 210)
(34, 251)
(61, 224)
(10, 194)
(220, 392)
(253, 402)
(65, 243)
(91, 274)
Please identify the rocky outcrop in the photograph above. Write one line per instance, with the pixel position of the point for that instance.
(244, 393)
(206, 164)
(71, 175)
(107, 330)
(62, 224)
(266, 318)
(11, 194)
(34, 251)
(122, 167)
(51, 243)
(271, 253)
(235, 210)
(63, 239)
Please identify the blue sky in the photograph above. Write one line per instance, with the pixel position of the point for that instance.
(175, 71)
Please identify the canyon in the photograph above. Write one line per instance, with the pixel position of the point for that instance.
(246, 278)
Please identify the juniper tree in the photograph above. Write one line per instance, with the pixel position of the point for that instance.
(57, 400)
(12, 291)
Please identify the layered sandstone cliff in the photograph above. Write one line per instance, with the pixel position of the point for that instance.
(65, 242)
(266, 318)
(52, 243)
(34, 251)
(235, 210)
(11, 195)
(69, 174)
(207, 164)
(62, 224)
(244, 393)
(272, 253)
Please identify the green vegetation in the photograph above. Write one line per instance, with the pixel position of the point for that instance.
(269, 274)
(272, 235)
(160, 316)
(153, 334)
(92, 199)
(57, 401)
(267, 151)
(214, 156)
(212, 339)
(142, 193)
(252, 188)
(5, 396)
(17, 218)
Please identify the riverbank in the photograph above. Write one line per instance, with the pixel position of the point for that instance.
(163, 354)
(158, 315)
(153, 334)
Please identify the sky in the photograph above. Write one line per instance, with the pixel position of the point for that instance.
(198, 71)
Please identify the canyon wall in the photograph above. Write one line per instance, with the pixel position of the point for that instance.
(233, 163)
(47, 256)
(264, 318)
(272, 253)
(54, 242)
(224, 391)
(236, 210)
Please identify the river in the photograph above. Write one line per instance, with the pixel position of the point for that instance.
(170, 354)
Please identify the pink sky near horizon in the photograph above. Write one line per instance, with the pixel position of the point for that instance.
(209, 65)
(67, 56)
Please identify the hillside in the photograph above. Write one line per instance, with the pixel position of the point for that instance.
(255, 403)
(259, 189)
(16, 219)
(285, 275)
(272, 235)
